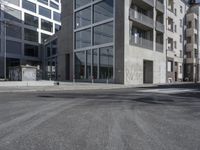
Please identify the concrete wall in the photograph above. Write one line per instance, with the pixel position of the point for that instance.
(65, 40)
(1, 67)
(119, 41)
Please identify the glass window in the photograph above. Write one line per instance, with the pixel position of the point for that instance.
(30, 50)
(80, 65)
(106, 63)
(13, 47)
(83, 18)
(79, 3)
(44, 37)
(46, 25)
(88, 64)
(30, 35)
(54, 47)
(15, 2)
(103, 34)
(103, 10)
(95, 63)
(44, 12)
(43, 1)
(57, 27)
(14, 31)
(30, 20)
(29, 5)
(54, 5)
(83, 38)
(56, 16)
(13, 14)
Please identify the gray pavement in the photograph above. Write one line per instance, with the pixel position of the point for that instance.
(117, 119)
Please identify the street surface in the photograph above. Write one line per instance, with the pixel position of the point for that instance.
(118, 119)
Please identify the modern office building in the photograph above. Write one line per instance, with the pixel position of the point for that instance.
(25, 24)
(192, 58)
(112, 41)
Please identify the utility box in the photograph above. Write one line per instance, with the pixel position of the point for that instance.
(23, 73)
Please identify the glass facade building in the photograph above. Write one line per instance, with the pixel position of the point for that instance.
(93, 40)
(28, 24)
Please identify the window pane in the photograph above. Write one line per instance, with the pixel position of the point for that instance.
(83, 38)
(43, 1)
(46, 25)
(30, 35)
(29, 5)
(44, 37)
(56, 16)
(80, 65)
(103, 10)
(79, 3)
(103, 34)
(31, 20)
(88, 64)
(95, 63)
(106, 63)
(44, 12)
(83, 17)
(14, 31)
(15, 2)
(30, 50)
(13, 47)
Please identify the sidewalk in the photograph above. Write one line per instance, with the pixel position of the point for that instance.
(41, 86)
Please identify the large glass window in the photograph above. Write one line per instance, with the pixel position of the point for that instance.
(80, 65)
(54, 5)
(103, 10)
(88, 64)
(13, 47)
(30, 20)
(43, 1)
(46, 25)
(83, 18)
(14, 31)
(44, 37)
(83, 38)
(56, 16)
(103, 34)
(29, 5)
(15, 2)
(30, 50)
(95, 63)
(30, 35)
(79, 3)
(44, 12)
(106, 63)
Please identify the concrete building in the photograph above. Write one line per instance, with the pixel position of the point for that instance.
(112, 41)
(25, 24)
(193, 44)
(175, 35)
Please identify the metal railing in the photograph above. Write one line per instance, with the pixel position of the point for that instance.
(141, 42)
(150, 2)
(159, 47)
(160, 6)
(159, 26)
(141, 18)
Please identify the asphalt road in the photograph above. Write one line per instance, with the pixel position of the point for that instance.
(123, 119)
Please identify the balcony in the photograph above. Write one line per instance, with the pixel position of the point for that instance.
(141, 42)
(191, 31)
(141, 18)
(160, 27)
(160, 6)
(150, 2)
(159, 47)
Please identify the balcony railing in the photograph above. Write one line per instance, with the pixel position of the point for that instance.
(150, 2)
(159, 26)
(159, 47)
(141, 42)
(141, 18)
(160, 6)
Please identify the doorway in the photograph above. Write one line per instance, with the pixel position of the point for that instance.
(148, 72)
